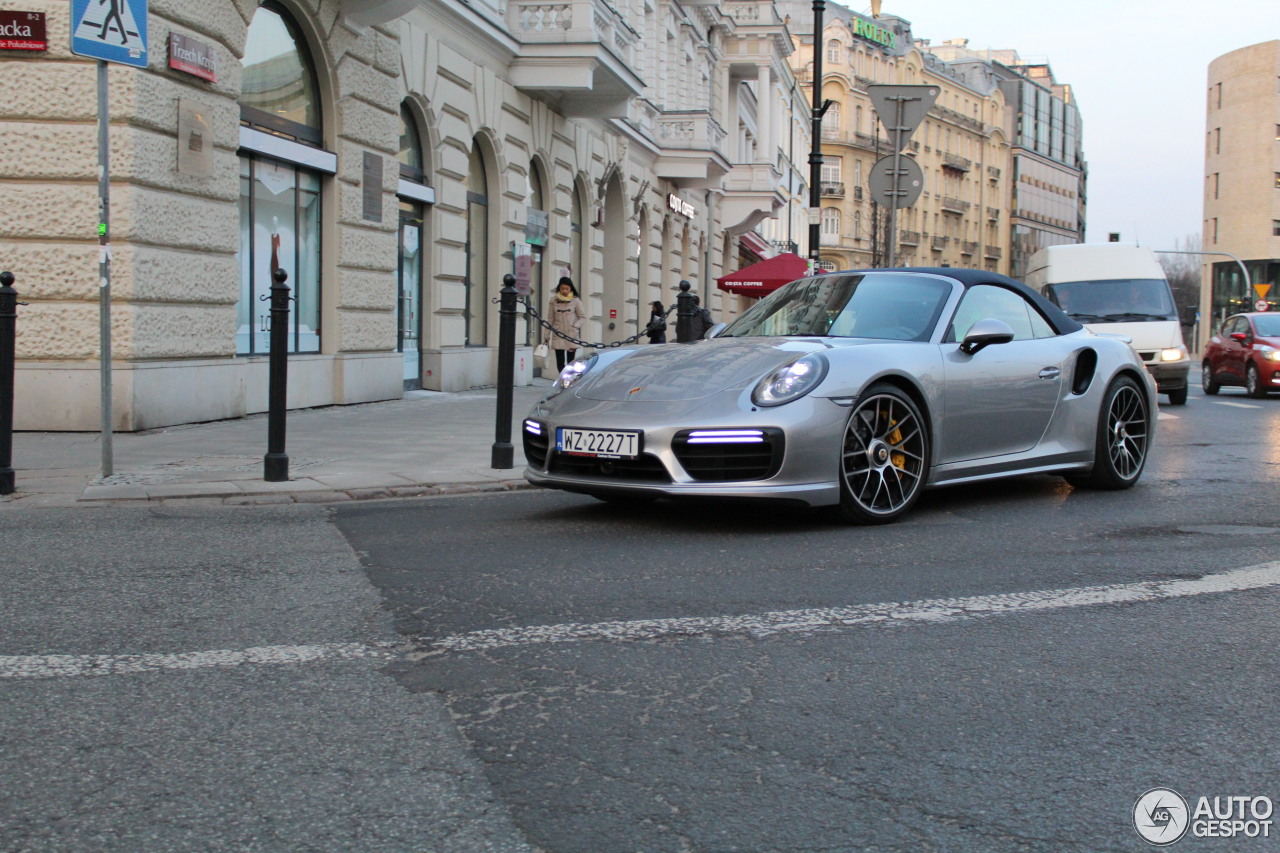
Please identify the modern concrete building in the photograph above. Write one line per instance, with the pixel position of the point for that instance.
(396, 158)
(1242, 184)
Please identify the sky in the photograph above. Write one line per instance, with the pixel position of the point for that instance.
(1139, 72)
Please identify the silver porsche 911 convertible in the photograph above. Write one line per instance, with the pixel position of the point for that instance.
(852, 389)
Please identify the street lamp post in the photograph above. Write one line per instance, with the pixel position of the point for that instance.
(815, 150)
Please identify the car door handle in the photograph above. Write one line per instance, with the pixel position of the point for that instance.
(1050, 373)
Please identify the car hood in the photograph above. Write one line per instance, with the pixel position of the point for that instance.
(676, 372)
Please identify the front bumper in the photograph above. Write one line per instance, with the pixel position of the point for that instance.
(1169, 375)
(795, 460)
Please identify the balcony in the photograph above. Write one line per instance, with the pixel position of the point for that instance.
(993, 173)
(991, 252)
(857, 193)
(954, 205)
(576, 55)
(832, 189)
(956, 163)
(785, 246)
(752, 193)
(993, 213)
(938, 243)
(909, 238)
(968, 248)
(691, 142)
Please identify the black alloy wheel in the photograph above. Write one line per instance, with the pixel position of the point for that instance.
(1124, 438)
(884, 457)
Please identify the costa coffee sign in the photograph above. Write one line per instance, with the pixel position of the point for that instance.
(22, 31)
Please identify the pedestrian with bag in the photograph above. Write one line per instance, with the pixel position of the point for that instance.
(657, 328)
(566, 315)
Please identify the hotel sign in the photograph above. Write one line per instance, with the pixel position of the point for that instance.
(22, 31)
(193, 57)
(869, 31)
(680, 206)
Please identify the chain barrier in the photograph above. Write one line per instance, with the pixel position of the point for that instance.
(581, 343)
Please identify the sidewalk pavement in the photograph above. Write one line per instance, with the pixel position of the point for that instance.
(429, 442)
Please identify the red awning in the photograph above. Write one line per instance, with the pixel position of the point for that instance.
(765, 277)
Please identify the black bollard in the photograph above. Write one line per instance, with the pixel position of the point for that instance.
(8, 333)
(275, 465)
(503, 455)
(684, 314)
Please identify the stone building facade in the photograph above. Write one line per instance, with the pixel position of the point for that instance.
(396, 158)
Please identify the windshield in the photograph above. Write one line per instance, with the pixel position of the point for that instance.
(892, 306)
(1119, 300)
(1268, 325)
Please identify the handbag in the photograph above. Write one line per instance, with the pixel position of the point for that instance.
(542, 357)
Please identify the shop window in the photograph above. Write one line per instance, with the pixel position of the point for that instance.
(281, 168)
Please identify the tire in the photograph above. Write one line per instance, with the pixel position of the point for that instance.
(1124, 438)
(1253, 382)
(1207, 382)
(1178, 398)
(884, 457)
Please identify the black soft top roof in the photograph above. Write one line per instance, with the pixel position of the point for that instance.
(1057, 318)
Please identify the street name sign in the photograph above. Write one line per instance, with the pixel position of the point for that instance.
(110, 30)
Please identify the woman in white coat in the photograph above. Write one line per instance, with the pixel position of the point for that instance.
(566, 315)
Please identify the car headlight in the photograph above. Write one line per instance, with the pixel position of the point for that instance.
(573, 371)
(791, 381)
(1173, 354)
(1269, 353)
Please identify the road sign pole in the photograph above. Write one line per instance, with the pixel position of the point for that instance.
(892, 237)
(104, 264)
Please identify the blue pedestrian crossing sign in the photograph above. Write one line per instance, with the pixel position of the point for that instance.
(110, 30)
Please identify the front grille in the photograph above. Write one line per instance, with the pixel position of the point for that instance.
(727, 455)
(643, 469)
(536, 443)
(1147, 356)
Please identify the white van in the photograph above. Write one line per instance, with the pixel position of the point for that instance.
(1119, 289)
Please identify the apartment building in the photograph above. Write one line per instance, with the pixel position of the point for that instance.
(1000, 150)
(395, 158)
(1242, 185)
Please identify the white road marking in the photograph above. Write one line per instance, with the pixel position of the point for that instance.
(1238, 405)
(53, 666)
(931, 611)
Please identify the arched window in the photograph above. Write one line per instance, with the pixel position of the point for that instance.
(833, 50)
(281, 168)
(477, 248)
(830, 222)
(409, 267)
(535, 236)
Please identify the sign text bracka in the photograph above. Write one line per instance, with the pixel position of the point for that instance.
(871, 32)
(22, 31)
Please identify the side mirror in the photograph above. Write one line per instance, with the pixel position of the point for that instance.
(714, 330)
(984, 333)
(1239, 336)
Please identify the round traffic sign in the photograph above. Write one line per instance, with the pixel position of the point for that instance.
(1261, 305)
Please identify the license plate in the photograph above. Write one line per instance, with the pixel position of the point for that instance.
(604, 443)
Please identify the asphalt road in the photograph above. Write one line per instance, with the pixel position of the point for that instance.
(1007, 669)
(625, 677)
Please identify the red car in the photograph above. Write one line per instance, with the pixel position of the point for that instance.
(1246, 351)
